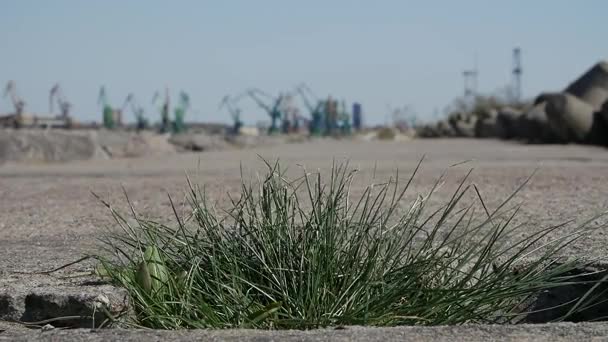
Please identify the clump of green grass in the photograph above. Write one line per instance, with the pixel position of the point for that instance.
(305, 253)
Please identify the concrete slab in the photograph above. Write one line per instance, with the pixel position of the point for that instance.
(81, 301)
(50, 218)
(485, 333)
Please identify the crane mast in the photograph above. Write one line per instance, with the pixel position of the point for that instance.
(164, 110)
(64, 106)
(18, 116)
(180, 112)
(235, 112)
(111, 117)
(316, 112)
(18, 103)
(141, 122)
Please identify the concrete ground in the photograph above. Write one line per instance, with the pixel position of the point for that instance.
(470, 333)
(49, 216)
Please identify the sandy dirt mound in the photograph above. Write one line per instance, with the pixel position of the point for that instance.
(199, 142)
(47, 146)
(62, 146)
(129, 144)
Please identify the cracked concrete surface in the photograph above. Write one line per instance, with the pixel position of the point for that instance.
(50, 218)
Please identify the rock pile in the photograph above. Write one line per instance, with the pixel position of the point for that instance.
(579, 114)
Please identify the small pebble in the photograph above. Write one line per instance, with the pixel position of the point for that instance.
(48, 327)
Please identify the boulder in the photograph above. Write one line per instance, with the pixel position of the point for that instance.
(533, 126)
(604, 112)
(592, 86)
(488, 126)
(427, 131)
(576, 121)
(444, 129)
(463, 125)
(506, 121)
(570, 117)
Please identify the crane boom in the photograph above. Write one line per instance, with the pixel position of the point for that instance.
(157, 96)
(302, 89)
(184, 100)
(64, 106)
(305, 87)
(102, 99)
(52, 95)
(229, 103)
(263, 93)
(128, 101)
(316, 111)
(235, 112)
(135, 107)
(253, 94)
(306, 100)
(138, 111)
(11, 90)
(274, 112)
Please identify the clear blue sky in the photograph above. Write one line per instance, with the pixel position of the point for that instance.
(375, 52)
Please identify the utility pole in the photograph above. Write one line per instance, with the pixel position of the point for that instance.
(517, 72)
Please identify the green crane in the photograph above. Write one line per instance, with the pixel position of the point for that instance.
(164, 110)
(109, 121)
(316, 111)
(180, 111)
(235, 112)
(273, 110)
(141, 122)
(344, 118)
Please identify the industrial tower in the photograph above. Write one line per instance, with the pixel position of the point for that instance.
(470, 82)
(517, 71)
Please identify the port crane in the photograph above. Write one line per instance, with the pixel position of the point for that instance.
(230, 104)
(108, 113)
(273, 109)
(183, 105)
(141, 122)
(56, 95)
(164, 110)
(11, 91)
(315, 110)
